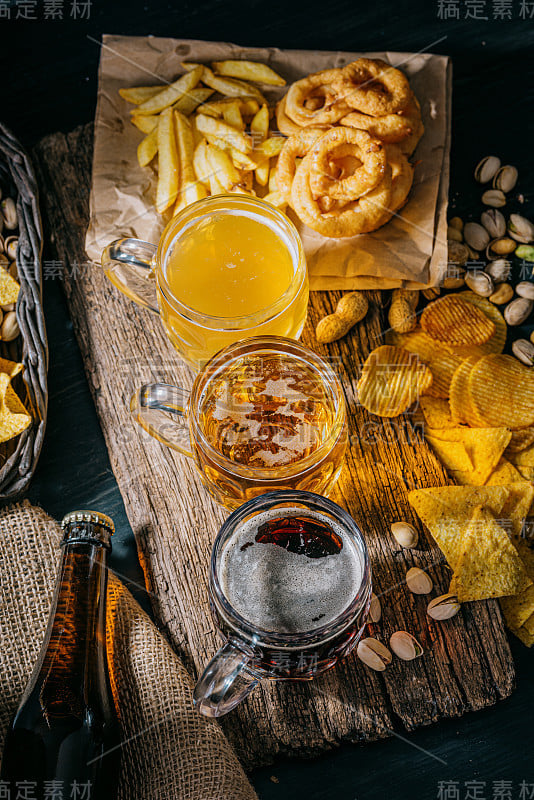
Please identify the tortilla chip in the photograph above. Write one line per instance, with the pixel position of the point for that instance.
(526, 637)
(515, 509)
(527, 473)
(436, 412)
(11, 368)
(452, 455)
(524, 458)
(484, 447)
(504, 473)
(11, 423)
(447, 510)
(9, 288)
(489, 564)
(517, 609)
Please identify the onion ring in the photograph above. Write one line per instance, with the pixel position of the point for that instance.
(339, 221)
(285, 125)
(325, 173)
(301, 99)
(401, 181)
(296, 146)
(373, 87)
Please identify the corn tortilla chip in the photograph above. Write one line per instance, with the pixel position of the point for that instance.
(11, 368)
(436, 412)
(453, 455)
(521, 439)
(11, 423)
(504, 473)
(524, 458)
(527, 473)
(518, 608)
(484, 447)
(489, 564)
(447, 510)
(517, 505)
(526, 637)
(9, 288)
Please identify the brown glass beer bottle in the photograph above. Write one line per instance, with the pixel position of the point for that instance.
(64, 740)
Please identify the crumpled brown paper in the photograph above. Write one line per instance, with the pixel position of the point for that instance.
(410, 251)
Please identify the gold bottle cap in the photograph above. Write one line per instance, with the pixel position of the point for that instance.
(96, 517)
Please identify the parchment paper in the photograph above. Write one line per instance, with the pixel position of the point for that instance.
(410, 251)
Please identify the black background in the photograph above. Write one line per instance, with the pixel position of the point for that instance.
(49, 79)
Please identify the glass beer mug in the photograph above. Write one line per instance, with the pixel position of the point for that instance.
(289, 591)
(226, 268)
(263, 414)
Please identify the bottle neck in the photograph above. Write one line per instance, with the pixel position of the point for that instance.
(73, 660)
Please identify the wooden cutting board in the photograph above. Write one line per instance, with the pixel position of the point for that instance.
(467, 663)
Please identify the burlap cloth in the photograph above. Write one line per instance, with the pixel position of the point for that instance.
(170, 751)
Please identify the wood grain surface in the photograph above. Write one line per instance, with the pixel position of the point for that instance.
(467, 663)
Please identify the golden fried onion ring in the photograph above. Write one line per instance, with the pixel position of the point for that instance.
(314, 100)
(328, 177)
(373, 87)
(404, 127)
(335, 219)
(296, 146)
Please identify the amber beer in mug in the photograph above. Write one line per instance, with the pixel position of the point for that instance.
(264, 414)
(289, 588)
(64, 740)
(226, 268)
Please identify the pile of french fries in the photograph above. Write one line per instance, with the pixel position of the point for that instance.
(209, 146)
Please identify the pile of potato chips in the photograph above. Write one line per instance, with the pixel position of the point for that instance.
(208, 148)
(478, 411)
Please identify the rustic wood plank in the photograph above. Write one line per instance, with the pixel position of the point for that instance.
(467, 663)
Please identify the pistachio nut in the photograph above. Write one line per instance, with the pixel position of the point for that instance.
(480, 283)
(525, 289)
(520, 229)
(454, 277)
(456, 222)
(494, 198)
(2, 244)
(9, 213)
(10, 327)
(13, 271)
(8, 307)
(486, 169)
(454, 234)
(524, 351)
(375, 609)
(10, 247)
(500, 247)
(494, 222)
(405, 646)
(405, 534)
(4, 261)
(418, 581)
(374, 654)
(505, 178)
(525, 251)
(476, 236)
(443, 607)
(503, 294)
(457, 253)
(474, 255)
(499, 270)
(518, 311)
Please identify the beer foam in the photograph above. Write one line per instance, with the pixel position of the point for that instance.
(284, 592)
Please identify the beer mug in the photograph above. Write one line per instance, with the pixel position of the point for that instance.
(264, 414)
(289, 591)
(226, 268)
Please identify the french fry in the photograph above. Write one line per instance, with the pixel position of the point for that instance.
(174, 92)
(189, 189)
(272, 185)
(200, 164)
(221, 164)
(230, 87)
(276, 199)
(138, 94)
(232, 115)
(147, 148)
(191, 193)
(249, 71)
(247, 105)
(146, 123)
(259, 127)
(241, 160)
(192, 100)
(168, 165)
(270, 147)
(216, 186)
(216, 127)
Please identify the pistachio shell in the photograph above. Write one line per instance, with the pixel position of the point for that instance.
(480, 283)
(375, 609)
(525, 289)
(476, 236)
(499, 270)
(521, 229)
(418, 581)
(518, 311)
(405, 646)
(486, 169)
(443, 607)
(405, 534)
(10, 327)
(494, 198)
(9, 213)
(374, 654)
(505, 178)
(494, 222)
(524, 351)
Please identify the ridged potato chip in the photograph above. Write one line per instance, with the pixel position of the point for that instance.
(452, 320)
(521, 439)
(441, 361)
(501, 392)
(489, 564)
(391, 381)
(461, 408)
(496, 343)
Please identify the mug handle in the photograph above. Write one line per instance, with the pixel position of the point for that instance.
(161, 410)
(129, 265)
(225, 681)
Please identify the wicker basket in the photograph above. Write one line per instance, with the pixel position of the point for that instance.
(18, 458)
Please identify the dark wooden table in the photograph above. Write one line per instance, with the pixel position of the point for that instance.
(49, 83)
